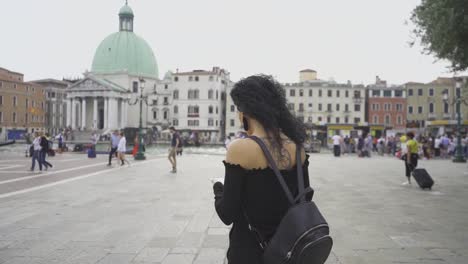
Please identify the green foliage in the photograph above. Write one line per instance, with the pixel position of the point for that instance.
(442, 27)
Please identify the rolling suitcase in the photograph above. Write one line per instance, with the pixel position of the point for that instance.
(423, 178)
(91, 153)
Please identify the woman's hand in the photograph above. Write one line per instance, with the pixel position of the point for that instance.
(218, 188)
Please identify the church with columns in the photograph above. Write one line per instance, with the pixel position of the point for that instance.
(123, 64)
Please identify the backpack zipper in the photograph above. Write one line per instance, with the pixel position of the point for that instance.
(289, 254)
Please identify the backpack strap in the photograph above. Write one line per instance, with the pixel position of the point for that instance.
(300, 176)
(272, 165)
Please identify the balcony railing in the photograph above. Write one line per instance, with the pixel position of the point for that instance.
(357, 100)
(446, 115)
(193, 115)
(431, 116)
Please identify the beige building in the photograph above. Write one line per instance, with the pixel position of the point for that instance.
(22, 106)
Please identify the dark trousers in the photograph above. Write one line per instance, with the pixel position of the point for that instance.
(43, 159)
(337, 150)
(412, 165)
(36, 156)
(111, 153)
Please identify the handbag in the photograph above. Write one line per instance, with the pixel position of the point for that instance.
(303, 233)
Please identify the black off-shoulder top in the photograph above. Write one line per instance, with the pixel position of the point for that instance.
(259, 193)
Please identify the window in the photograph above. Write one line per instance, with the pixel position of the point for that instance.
(233, 108)
(232, 122)
(357, 108)
(431, 92)
(14, 117)
(337, 93)
(346, 94)
(210, 94)
(223, 96)
(216, 109)
(446, 108)
(431, 108)
(329, 107)
(310, 105)
(337, 120)
(135, 87)
(1, 99)
(420, 92)
(155, 102)
(399, 120)
(197, 79)
(375, 119)
(292, 92)
(176, 109)
(155, 115)
(410, 109)
(399, 107)
(42, 105)
(165, 114)
(193, 122)
(210, 122)
(387, 120)
(386, 107)
(210, 109)
(320, 107)
(328, 119)
(175, 122)
(1, 84)
(1, 117)
(15, 101)
(320, 93)
(216, 95)
(420, 109)
(357, 120)
(346, 120)
(175, 94)
(190, 78)
(410, 92)
(346, 108)
(357, 94)
(310, 92)
(291, 107)
(329, 93)
(301, 93)
(398, 93)
(165, 86)
(309, 119)
(176, 79)
(193, 111)
(387, 93)
(301, 107)
(337, 107)
(166, 101)
(14, 85)
(375, 93)
(319, 119)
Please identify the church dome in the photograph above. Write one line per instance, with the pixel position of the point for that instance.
(125, 51)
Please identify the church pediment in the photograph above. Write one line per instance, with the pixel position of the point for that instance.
(92, 84)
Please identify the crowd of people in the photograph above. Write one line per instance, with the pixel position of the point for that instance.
(429, 147)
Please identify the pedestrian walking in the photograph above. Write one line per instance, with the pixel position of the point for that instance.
(381, 146)
(94, 141)
(411, 157)
(59, 138)
(36, 154)
(251, 199)
(114, 144)
(336, 144)
(368, 146)
(175, 142)
(44, 151)
(122, 148)
(347, 143)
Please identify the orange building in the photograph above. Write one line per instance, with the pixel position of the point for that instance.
(22, 106)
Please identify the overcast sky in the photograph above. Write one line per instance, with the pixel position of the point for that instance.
(340, 39)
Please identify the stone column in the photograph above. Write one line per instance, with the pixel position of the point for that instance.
(95, 114)
(69, 106)
(83, 113)
(124, 113)
(112, 113)
(73, 113)
(106, 118)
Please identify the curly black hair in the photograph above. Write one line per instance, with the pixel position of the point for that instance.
(261, 97)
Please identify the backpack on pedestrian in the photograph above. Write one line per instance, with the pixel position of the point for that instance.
(303, 233)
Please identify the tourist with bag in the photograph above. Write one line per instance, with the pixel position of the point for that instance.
(266, 194)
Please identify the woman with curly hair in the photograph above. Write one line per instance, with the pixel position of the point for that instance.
(251, 190)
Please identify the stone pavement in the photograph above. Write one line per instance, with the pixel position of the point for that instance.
(144, 214)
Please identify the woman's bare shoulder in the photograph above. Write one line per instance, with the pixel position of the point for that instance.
(241, 152)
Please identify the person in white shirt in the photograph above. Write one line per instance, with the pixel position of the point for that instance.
(336, 145)
(122, 148)
(36, 145)
(437, 143)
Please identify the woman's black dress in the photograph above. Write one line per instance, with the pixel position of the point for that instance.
(260, 194)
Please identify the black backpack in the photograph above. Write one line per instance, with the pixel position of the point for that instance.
(303, 234)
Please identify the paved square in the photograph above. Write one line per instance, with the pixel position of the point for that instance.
(84, 212)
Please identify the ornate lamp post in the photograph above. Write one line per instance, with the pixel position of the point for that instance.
(142, 98)
(459, 155)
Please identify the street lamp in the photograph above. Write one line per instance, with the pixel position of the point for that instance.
(459, 155)
(142, 98)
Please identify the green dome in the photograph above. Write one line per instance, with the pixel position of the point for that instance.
(125, 51)
(126, 10)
